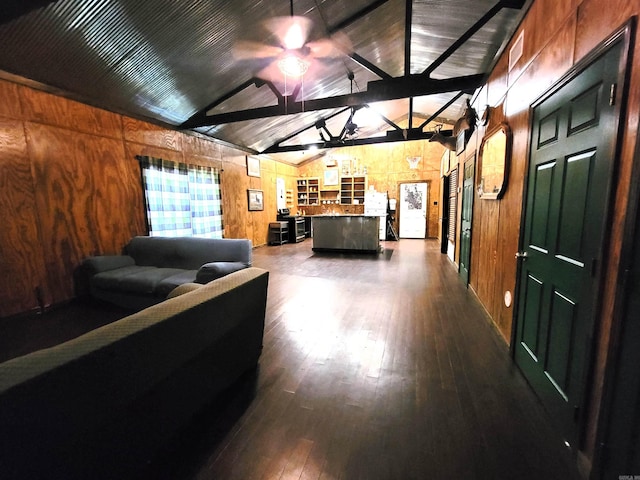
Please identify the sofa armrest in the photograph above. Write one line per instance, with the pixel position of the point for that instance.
(103, 263)
(212, 270)
(184, 288)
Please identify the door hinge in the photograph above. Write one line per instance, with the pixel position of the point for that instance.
(612, 94)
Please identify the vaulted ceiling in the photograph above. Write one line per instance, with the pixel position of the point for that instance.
(393, 68)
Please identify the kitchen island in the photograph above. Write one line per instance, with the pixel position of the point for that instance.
(346, 233)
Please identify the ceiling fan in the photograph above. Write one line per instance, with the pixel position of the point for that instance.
(290, 53)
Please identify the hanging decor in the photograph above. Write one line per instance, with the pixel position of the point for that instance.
(413, 162)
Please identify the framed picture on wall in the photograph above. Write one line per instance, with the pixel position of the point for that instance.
(253, 166)
(331, 177)
(255, 199)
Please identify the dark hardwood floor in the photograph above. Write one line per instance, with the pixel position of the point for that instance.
(374, 367)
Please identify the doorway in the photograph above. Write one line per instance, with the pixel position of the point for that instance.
(466, 218)
(573, 144)
(413, 204)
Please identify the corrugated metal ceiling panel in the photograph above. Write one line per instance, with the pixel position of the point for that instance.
(166, 60)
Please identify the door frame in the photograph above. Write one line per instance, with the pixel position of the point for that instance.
(616, 362)
(622, 35)
(427, 202)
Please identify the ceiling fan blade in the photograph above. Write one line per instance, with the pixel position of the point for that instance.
(324, 48)
(335, 46)
(245, 49)
(291, 32)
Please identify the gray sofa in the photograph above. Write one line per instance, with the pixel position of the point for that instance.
(151, 267)
(101, 405)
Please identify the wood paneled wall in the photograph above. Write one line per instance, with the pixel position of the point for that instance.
(70, 187)
(557, 35)
(387, 167)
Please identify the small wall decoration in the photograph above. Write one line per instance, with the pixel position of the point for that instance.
(413, 162)
(255, 199)
(331, 177)
(253, 166)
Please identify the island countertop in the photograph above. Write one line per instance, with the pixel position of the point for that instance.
(345, 232)
(339, 215)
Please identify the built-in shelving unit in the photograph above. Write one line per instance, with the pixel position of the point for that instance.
(308, 191)
(352, 188)
(330, 197)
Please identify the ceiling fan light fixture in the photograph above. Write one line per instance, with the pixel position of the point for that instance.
(292, 65)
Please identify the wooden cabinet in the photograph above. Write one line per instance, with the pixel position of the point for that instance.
(308, 191)
(352, 188)
(330, 197)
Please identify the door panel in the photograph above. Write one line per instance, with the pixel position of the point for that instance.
(570, 171)
(573, 207)
(467, 213)
(531, 320)
(540, 206)
(560, 348)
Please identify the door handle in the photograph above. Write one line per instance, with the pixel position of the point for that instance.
(522, 255)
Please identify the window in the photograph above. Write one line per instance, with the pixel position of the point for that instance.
(182, 200)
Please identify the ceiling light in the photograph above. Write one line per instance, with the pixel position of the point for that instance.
(292, 65)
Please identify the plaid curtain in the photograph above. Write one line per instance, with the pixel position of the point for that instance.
(182, 200)
(206, 202)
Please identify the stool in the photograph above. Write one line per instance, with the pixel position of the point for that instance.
(278, 233)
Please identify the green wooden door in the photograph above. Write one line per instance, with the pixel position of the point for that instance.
(572, 155)
(467, 213)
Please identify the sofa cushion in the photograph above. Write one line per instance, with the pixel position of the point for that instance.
(103, 263)
(167, 284)
(135, 279)
(212, 270)
(187, 252)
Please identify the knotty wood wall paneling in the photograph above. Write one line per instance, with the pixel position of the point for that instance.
(10, 104)
(49, 109)
(237, 220)
(194, 145)
(145, 133)
(82, 200)
(20, 247)
(267, 183)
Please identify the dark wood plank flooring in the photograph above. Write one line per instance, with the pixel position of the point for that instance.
(374, 367)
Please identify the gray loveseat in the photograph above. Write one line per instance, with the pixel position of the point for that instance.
(151, 267)
(101, 405)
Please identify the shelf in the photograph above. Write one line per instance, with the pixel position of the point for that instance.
(352, 188)
(308, 191)
(330, 197)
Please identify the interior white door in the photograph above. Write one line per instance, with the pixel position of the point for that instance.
(281, 201)
(413, 210)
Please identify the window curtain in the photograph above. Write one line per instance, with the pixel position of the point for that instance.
(182, 200)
